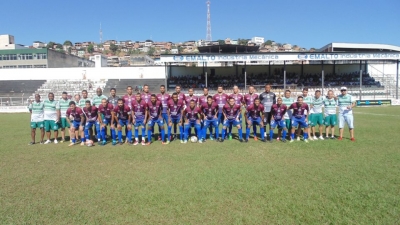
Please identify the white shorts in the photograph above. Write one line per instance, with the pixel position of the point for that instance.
(346, 118)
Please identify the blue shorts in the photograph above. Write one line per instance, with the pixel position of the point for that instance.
(123, 122)
(228, 123)
(107, 121)
(152, 122)
(89, 124)
(255, 121)
(192, 123)
(299, 121)
(280, 123)
(212, 122)
(76, 124)
(139, 123)
(175, 120)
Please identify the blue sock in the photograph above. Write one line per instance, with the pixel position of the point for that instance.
(103, 133)
(143, 133)
(73, 140)
(216, 132)
(149, 135)
(292, 135)
(162, 135)
(86, 134)
(247, 133)
(254, 131)
(223, 133)
(271, 134)
(240, 133)
(204, 133)
(98, 133)
(284, 134)
(129, 135)
(137, 133)
(113, 134)
(262, 131)
(83, 139)
(197, 128)
(305, 135)
(181, 132)
(186, 132)
(169, 132)
(120, 135)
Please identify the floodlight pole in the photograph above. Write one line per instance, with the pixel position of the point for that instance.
(284, 74)
(397, 80)
(245, 76)
(322, 77)
(360, 78)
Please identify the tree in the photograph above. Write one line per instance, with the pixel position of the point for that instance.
(268, 42)
(181, 49)
(50, 44)
(59, 46)
(113, 48)
(67, 43)
(90, 49)
(167, 52)
(69, 50)
(151, 51)
(221, 42)
(242, 41)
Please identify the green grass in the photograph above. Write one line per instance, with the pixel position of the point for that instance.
(323, 182)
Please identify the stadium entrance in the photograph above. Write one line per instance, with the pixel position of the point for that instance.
(284, 70)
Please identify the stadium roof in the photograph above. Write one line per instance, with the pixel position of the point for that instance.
(358, 47)
(228, 49)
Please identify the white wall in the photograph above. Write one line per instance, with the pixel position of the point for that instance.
(154, 72)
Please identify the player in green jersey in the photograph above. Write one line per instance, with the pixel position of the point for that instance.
(36, 108)
(51, 117)
(346, 104)
(330, 104)
(96, 100)
(317, 118)
(64, 105)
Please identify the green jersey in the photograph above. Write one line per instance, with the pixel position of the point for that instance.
(37, 109)
(308, 100)
(344, 101)
(50, 109)
(287, 102)
(82, 102)
(64, 105)
(317, 104)
(330, 106)
(96, 101)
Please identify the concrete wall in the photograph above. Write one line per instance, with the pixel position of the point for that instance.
(89, 72)
(61, 60)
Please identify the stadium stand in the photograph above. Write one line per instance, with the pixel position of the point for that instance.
(137, 85)
(9, 88)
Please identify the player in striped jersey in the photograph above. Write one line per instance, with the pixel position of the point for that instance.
(64, 105)
(51, 117)
(287, 100)
(346, 104)
(96, 100)
(330, 104)
(317, 118)
(36, 108)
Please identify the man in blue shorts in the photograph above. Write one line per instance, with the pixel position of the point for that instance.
(255, 117)
(299, 117)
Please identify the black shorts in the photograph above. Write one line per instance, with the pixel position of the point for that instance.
(267, 118)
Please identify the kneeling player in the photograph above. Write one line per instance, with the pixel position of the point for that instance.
(75, 119)
(154, 110)
(175, 108)
(92, 119)
(122, 114)
(209, 110)
(255, 116)
(277, 120)
(139, 116)
(299, 118)
(231, 113)
(105, 113)
(192, 116)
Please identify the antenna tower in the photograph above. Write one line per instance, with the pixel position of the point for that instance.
(101, 35)
(208, 38)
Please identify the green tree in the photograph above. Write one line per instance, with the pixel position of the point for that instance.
(167, 52)
(151, 51)
(221, 42)
(90, 48)
(268, 42)
(113, 48)
(69, 50)
(59, 46)
(67, 43)
(243, 41)
(50, 44)
(180, 49)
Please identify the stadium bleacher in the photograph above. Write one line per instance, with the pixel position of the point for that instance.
(137, 85)
(10, 88)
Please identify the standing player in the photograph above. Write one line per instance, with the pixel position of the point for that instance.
(210, 117)
(75, 118)
(113, 99)
(287, 100)
(175, 108)
(92, 119)
(139, 118)
(238, 101)
(154, 109)
(96, 101)
(105, 114)
(203, 100)
(188, 99)
(255, 116)
(249, 100)
(122, 117)
(192, 116)
(317, 117)
(308, 100)
(346, 104)
(51, 117)
(267, 99)
(36, 108)
(64, 105)
(221, 99)
(128, 98)
(299, 117)
(82, 105)
(163, 98)
(330, 104)
(146, 95)
(231, 113)
(181, 96)
(277, 120)
(77, 98)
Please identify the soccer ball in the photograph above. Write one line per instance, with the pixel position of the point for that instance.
(193, 139)
(89, 143)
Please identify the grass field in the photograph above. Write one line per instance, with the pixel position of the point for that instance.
(322, 182)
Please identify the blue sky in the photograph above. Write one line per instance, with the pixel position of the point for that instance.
(307, 23)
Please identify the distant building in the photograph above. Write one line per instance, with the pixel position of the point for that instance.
(357, 47)
(38, 44)
(99, 60)
(257, 40)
